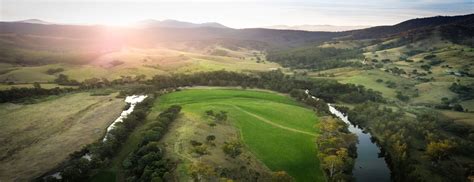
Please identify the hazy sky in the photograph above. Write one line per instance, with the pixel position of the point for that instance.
(233, 13)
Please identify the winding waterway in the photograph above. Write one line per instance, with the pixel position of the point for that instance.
(369, 166)
(133, 101)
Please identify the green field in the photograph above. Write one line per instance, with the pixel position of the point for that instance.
(37, 137)
(278, 130)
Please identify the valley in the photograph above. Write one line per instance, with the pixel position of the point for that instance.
(227, 104)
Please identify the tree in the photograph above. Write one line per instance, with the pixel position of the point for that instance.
(400, 150)
(62, 79)
(201, 171)
(232, 148)
(210, 138)
(37, 85)
(210, 112)
(333, 164)
(221, 116)
(458, 107)
(437, 150)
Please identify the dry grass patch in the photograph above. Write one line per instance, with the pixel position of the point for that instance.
(37, 137)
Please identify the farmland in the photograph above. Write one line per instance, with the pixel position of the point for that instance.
(35, 140)
(260, 117)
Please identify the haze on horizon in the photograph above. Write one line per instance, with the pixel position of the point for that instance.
(235, 14)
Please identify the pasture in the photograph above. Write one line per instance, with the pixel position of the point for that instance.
(276, 129)
(37, 137)
(134, 61)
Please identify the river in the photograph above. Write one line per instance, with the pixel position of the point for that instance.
(368, 165)
(133, 101)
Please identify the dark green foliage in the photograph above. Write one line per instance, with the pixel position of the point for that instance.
(19, 94)
(195, 143)
(458, 33)
(315, 57)
(402, 97)
(52, 71)
(64, 80)
(435, 62)
(210, 138)
(426, 67)
(337, 149)
(147, 162)
(79, 168)
(232, 148)
(217, 117)
(431, 56)
(391, 84)
(413, 52)
(328, 90)
(401, 136)
(465, 92)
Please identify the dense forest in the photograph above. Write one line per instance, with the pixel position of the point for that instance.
(314, 57)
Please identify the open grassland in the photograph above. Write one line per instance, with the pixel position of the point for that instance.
(277, 130)
(422, 70)
(37, 137)
(134, 61)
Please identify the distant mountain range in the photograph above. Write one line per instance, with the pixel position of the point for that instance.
(154, 31)
(177, 24)
(321, 28)
(35, 21)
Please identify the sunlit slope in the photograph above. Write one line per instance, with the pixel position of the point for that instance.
(278, 130)
(133, 62)
(37, 137)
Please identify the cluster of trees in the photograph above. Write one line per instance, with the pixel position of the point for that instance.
(19, 94)
(52, 71)
(314, 57)
(451, 104)
(63, 79)
(232, 148)
(466, 92)
(328, 90)
(337, 149)
(416, 147)
(320, 105)
(402, 97)
(147, 163)
(80, 168)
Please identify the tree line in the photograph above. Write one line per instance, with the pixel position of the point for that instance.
(146, 163)
(81, 168)
(418, 148)
(328, 90)
(21, 94)
(337, 149)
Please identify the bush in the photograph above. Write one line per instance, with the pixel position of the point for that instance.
(232, 148)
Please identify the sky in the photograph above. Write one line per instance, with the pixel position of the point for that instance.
(233, 13)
